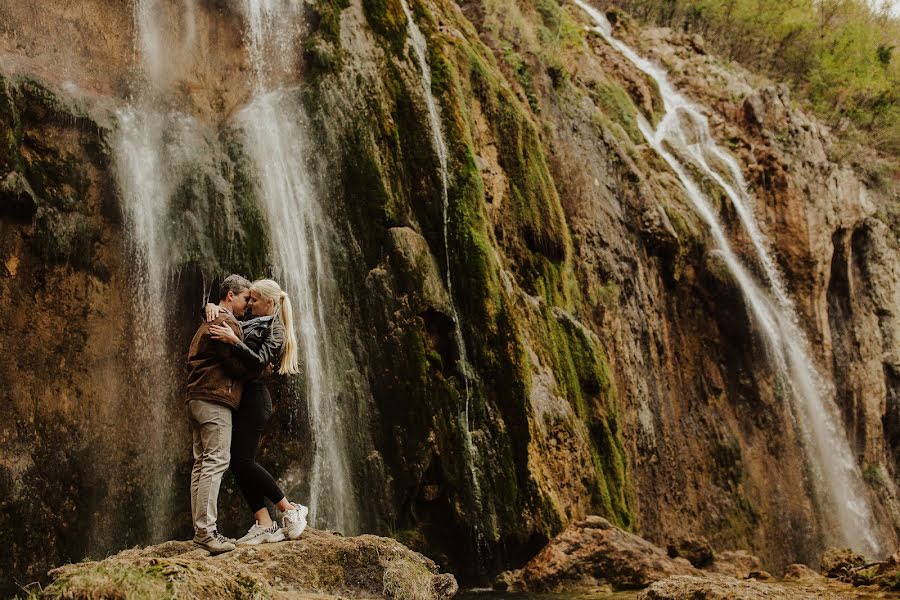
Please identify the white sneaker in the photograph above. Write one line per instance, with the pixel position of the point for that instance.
(294, 520)
(262, 535)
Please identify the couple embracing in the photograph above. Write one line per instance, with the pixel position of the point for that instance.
(228, 407)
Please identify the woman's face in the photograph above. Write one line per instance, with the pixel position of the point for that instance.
(259, 306)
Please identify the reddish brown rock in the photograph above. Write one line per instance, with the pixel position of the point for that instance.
(591, 554)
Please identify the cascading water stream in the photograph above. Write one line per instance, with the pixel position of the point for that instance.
(833, 467)
(417, 40)
(142, 164)
(275, 143)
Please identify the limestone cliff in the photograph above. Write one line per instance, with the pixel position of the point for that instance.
(610, 364)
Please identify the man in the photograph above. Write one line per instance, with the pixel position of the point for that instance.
(212, 394)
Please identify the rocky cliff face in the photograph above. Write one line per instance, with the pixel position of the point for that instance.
(611, 366)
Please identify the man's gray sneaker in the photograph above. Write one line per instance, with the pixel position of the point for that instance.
(214, 542)
(262, 535)
(294, 520)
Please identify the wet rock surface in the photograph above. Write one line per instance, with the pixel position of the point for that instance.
(318, 565)
(799, 572)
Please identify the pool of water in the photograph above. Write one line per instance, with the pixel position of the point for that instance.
(487, 594)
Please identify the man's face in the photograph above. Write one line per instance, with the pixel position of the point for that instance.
(239, 302)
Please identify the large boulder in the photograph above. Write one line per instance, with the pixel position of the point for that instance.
(319, 564)
(592, 554)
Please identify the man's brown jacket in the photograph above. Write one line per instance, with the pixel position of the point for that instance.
(208, 378)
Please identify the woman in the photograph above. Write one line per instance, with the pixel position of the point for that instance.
(269, 342)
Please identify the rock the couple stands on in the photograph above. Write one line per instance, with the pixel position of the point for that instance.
(228, 406)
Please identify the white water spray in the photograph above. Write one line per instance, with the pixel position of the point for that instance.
(145, 198)
(297, 225)
(831, 461)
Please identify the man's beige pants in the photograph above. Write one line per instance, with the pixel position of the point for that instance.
(211, 430)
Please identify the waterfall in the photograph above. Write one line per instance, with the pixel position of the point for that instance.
(684, 131)
(272, 123)
(144, 199)
(139, 172)
(144, 148)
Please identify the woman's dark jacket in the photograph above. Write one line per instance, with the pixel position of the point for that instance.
(262, 344)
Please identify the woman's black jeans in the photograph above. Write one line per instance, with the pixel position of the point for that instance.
(250, 419)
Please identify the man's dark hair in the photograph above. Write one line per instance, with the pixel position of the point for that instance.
(234, 284)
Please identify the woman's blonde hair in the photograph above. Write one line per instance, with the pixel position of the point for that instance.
(270, 290)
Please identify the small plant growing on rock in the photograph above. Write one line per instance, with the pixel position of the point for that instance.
(405, 579)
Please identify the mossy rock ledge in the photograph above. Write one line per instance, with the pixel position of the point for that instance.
(320, 564)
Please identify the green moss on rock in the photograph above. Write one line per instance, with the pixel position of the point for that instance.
(386, 18)
(618, 106)
(41, 180)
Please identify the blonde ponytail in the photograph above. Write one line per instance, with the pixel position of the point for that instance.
(270, 290)
(289, 351)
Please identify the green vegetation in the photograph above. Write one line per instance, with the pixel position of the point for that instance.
(387, 19)
(838, 55)
(322, 48)
(99, 579)
(617, 106)
(217, 194)
(582, 368)
(874, 477)
(327, 13)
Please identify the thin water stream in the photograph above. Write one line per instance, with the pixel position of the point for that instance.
(417, 41)
(683, 131)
